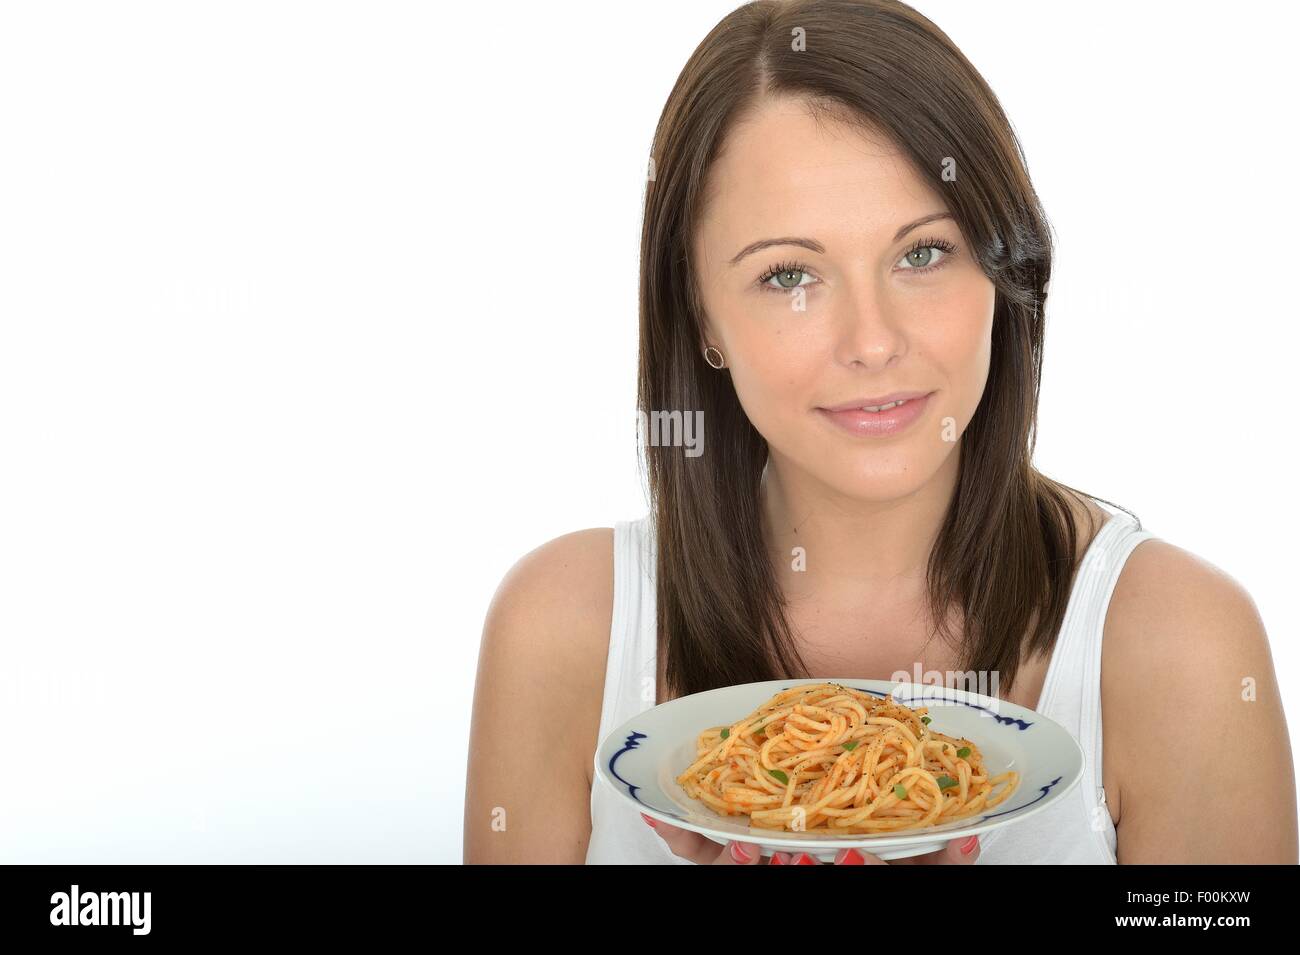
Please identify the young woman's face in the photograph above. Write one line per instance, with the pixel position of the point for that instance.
(872, 308)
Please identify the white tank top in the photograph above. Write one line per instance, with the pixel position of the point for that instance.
(1077, 829)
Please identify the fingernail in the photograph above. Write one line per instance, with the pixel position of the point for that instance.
(849, 857)
(739, 854)
(779, 858)
(648, 821)
(967, 847)
(805, 859)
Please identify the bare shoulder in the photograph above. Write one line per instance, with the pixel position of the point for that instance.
(567, 581)
(1168, 602)
(550, 617)
(537, 702)
(1193, 719)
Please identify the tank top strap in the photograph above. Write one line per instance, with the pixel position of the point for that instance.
(1076, 659)
(1072, 691)
(630, 665)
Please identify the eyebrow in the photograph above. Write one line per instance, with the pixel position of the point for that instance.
(815, 246)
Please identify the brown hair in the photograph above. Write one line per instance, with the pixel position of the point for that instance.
(1006, 551)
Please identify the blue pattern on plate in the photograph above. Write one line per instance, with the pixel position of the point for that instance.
(1042, 794)
(630, 743)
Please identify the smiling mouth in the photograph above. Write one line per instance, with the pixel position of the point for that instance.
(903, 398)
(892, 404)
(883, 420)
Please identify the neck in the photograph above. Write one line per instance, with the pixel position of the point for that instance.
(857, 552)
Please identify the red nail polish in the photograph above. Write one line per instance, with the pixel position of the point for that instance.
(648, 821)
(967, 847)
(805, 859)
(779, 858)
(738, 853)
(849, 857)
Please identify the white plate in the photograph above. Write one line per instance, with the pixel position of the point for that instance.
(642, 759)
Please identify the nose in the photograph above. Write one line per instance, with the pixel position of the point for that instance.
(867, 330)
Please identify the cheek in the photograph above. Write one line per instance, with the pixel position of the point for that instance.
(965, 347)
(777, 367)
(960, 342)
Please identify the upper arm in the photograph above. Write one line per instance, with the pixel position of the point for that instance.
(537, 702)
(1195, 718)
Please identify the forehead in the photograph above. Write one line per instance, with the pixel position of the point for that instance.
(783, 170)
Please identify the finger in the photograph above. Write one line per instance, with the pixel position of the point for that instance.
(857, 857)
(963, 851)
(739, 853)
(682, 842)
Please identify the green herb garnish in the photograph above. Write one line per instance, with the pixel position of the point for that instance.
(725, 732)
(900, 791)
(925, 720)
(780, 775)
(946, 781)
(964, 752)
(851, 745)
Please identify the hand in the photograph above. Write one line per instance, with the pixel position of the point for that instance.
(704, 851)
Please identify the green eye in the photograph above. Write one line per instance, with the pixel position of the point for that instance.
(926, 254)
(788, 277)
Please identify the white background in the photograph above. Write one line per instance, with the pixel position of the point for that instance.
(315, 317)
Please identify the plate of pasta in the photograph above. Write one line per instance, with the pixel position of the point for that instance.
(895, 769)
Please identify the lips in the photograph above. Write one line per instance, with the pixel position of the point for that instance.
(878, 402)
(893, 418)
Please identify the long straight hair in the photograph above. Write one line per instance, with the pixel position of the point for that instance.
(1005, 553)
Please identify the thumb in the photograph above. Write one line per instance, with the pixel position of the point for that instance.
(739, 853)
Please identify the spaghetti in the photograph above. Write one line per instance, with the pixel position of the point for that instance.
(827, 757)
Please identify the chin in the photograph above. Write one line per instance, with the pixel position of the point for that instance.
(880, 486)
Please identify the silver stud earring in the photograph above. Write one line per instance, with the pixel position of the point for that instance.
(709, 358)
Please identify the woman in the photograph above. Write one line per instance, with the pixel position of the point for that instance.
(839, 218)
